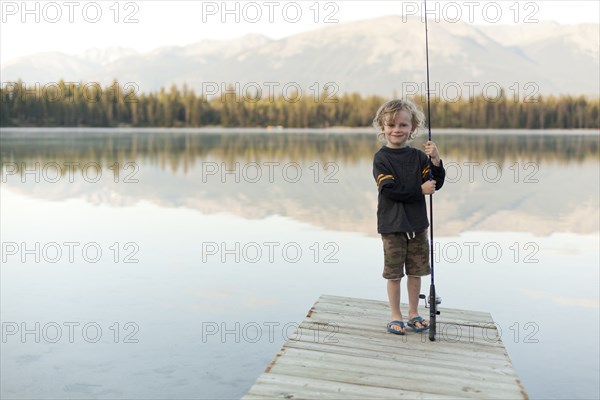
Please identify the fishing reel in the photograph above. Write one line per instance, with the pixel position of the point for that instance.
(438, 300)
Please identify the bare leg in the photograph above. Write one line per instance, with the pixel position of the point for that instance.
(413, 285)
(393, 290)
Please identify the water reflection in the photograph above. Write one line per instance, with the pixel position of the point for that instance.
(496, 182)
(181, 149)
(185, 190)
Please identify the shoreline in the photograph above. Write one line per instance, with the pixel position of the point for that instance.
(274, 131)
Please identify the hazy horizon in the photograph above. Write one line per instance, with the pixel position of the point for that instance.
(144, 26)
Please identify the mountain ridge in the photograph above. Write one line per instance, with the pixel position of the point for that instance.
(362, 56)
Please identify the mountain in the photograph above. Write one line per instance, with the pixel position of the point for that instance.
(379, 56)
(569, 53)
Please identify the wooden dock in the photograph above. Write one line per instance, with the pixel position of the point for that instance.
(343, 351)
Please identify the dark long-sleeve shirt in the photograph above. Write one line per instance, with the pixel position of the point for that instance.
(399, 174)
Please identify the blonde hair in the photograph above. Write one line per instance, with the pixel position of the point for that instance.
(387, 112)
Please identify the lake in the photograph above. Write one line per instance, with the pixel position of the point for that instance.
(173, 263)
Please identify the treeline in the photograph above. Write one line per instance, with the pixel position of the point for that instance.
(89, 105)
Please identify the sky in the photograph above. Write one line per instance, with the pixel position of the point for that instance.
(75, 26)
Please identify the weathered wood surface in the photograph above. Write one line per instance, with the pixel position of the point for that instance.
(343, 351)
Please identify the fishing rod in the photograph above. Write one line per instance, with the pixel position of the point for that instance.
(433, 312)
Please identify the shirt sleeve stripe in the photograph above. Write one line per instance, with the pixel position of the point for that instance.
(425, 172)
(382, 177)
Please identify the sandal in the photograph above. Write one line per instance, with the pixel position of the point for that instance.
(417, 320)
(395, 331)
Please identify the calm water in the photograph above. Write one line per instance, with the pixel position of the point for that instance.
(172, 264)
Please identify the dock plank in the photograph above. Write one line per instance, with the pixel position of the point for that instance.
(342, 350)
(458, 331)
(281, 386)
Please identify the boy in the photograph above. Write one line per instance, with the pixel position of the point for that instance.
(403, 179)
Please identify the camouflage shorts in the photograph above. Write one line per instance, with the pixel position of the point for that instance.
(403, 254)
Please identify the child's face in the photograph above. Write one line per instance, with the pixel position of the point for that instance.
(398, 131)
